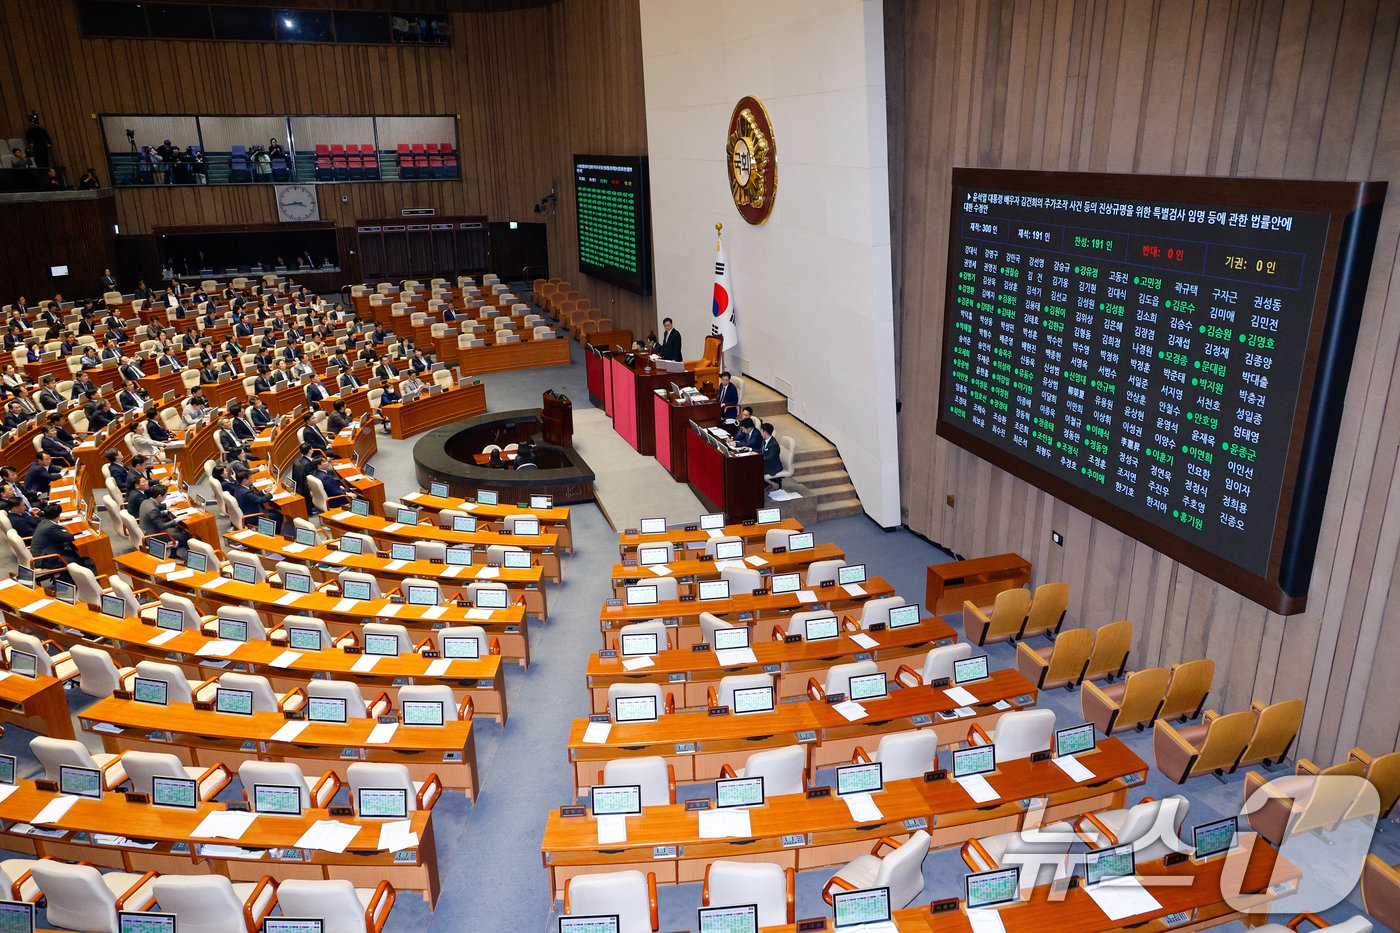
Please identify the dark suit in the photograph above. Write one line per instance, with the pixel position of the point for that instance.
(100, 419)
(229, 441)
(348, 381)
(300, 469)
(313, 436)
(251, 501)
(50, 399)
(38, 477)
(54, 448)
(24, 523)
(121, 474)
(670, 348)
(420, 364)
(750, 439)
(260, 417)
(243, 430)
(130, 401)
(14, 420)
(54, 542)
(335, 490)
(772, 457)
(132, 371)
(315, 392)
(386, 371)
(155, 520)
(729, 401)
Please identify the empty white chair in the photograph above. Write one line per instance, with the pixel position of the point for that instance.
(734, 884)
(355, 705)
(666, 546)
(784, 770)
(437, 693)
(904, 754)
(356, 577)
(134, 609)
(512, 520)
(724, 696)
(54, 753)
(1142, 825)
(1017, 734)
(421, 795)
(797, 622)
(399, 632)
(339, 905)
(178, 688)
(213, 904)
(474, 588)
(85, 581)
(264, 699)
(59, 665)
(211, 556)
(938, 663)
(484, 645)
(656, 778)
(144, 767)
(495, 553)
(900, 869)
(1041, 852)
(317, 793)
(245, 614)
(82, 898)
(653, 627)
(628, 894)
(446, 516)
(777, 537)
(193, 619)
(248, 559)
(664, 704)
(823, 571)
(98, 674)
(432, 550)
(411, 582)
(711, 544)
(878, 610)
(709, 622)
(667, 588)
(310, 623)
(838, 678)
(742, 580)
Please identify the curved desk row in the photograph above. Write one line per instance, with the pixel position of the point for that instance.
(694, 537)
(556, 519)
(688, 572)
(545, 546)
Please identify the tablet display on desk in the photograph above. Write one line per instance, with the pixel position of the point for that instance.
(228, 700)
(597, 923)
(422, 595)
(381, 803)
(306, 537)
(326, 709)
(80, 782)
(356, 589)
(729, 550)
(754, 700)
(801, 542)
(267, 528)
(458, 555)
(244, 573)
(359, 507)
(1214, 838)
(113, 606)
(867, 778)
(487, 497)
(464, 523)
(526, 526)
(904, 616)
(641, 595)
(437, 490)
(651, 556)
(295, 582)
(406, 516)
(970, 670)
(615, 799)
(739, 792)
(635, 644)
(384, 646)
(197, 562)
(460, 647)
(541, 502)
(821, 628)
(653, 526)
(992, 888)
(399, 550)
(172, 620)
(1074, 740)
(351, 545)
(175, 792)
(635, 709)
(713, 589)
(292, 925)
(7, 769)
(303, 639)
(517, 560)
(855, 909)
(979, 759)
(148, 690)
(493, 597)
(422, 712)
(16, 917)
(159, 548)
(66, 592)
(24, 663)
(868, 687)
(768, 516)
(277, 799)
(741, 919)
(735, 636)
(1105, 864)
(712, 521)
(132, 921)
(233, 629)
(850, 573)
(785, 583)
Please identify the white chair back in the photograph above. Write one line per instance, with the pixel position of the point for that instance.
(1020, 733)
(177, 686)
(907, 754)
(649, 772)
(782, 769)
(97, 673)
(734, 884)
(200, 903)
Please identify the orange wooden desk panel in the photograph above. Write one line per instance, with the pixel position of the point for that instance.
(204, 737)
(687, 572)
(36, 704)
(526, 354)
(544, 546)
(978, 580)
(431, 411)
(753, 536)
(363, 862)
(556, 519)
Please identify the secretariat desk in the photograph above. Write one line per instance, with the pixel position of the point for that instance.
(629, 389)
(725, 480)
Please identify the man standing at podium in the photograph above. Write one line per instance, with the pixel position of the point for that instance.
(669, 346)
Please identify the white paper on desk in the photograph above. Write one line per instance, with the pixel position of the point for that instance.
(346, 605)
(714, 533)
(864, 640)
(396, 565)
(488, 573)
(289, 731)
(180, 575)
(215, 582)
(328, 836)
(218, 648)
(478, 614)
(1001, 704)
(396, 835)
(6, 583)
(286, 659)
(960, 696)
(223, 824)
(978, 788)
(6, 790)
(434, 612)
(215, 850)
(390, 610)
(336, 557)
(636, 664)
(755, 561)
(1122, 897)
(806, 596)
(106, 727)
(162, 638)
(3, 675)
(243, 535)
(294, 548)
(661, 570)
(411, 497)
(392, 527)
(37, 605)
(287, 599)
(853, 589)
(850, 710)
(718, 824)
(438, 668)
(611, 828)
(731, 656)
(338, 513)
(1074, 768)
(863, 808)
(597, 733)
(452, 572)
(984, 920)
(467, 507)
(382, 734)
(167, 567)
(365, 663)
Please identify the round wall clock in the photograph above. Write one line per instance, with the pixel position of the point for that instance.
(752, 157)
(297, 203)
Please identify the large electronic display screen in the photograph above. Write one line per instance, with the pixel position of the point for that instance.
(614, 220)
(1169, 354)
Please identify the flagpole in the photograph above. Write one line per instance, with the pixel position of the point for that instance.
(719, 233)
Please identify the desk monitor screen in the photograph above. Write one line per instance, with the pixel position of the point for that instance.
(615, 799)
(303, 639)
(66, 592)
(635, 709)
(24, 663)
(526, 526)
(641, 595)
(651, 556)
(244, 573)
(458, 555)
(233, 629)
(595, 924)
(637, 643)
(785, 583)
(113, 606)
(402, 551)
(326, 709)
(384, 646)
(147, 690)
(422, 595)
(869, 687)
(277, 799)
(970, 670)
(850, 573)
(979, 759)
(7, 769)
(460, 647)
(740, 919)
(754, 700)
(297, 582)
(729, 550)
(359, 507)
(859, 779)
(422, 712)
(1074, 740)
(292, 925)
(406, 516)
(16, 917)
(768, 516)
(1106, 864)
(713, 589)
(160, 548)
(517, 560)
(438, 490)
(736, 636)
(356, 589)
(464, 523)
(1213, 838)
(306, 537)
(197, 562)
(712, 521)
(904, 616)
(739, 792)
(541, 502)
(267, 527)
(227, 700)
(131, 921)
(351, 545)
(175, 792)
(491, 597)
(25, 575)
(821, 628)
(857, 908)
(801, 542)
(992, 888)
(382, 803)
(80, 782)
(653, 526)
(172, 620)
(487, 497)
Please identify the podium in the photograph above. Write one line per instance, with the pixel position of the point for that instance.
(723, 480)
(557, 419)
(633, 381)
(673, 416)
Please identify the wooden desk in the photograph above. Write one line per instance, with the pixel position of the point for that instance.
(724, 481)
(978, 580)
(694, 537)
(271, 841)
(431, 411)
(828, 834)
(544, 545)
(630, 395)
(673, 417)
(204, 737)
(689, 572)
(340, 615)
(557, 518)
(35, 703)
(527, 354)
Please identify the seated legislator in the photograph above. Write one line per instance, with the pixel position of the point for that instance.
(252, 501)
(336, 494)
(52, 545)
(156, 519)
(747, 436)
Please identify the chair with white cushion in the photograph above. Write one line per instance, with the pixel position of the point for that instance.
(724, 696)
(339, 905)
(452, 711)
(496, 553)
(878, 610)
(1017, 734)
(900, 869)
(784, 770)
(667, 546)
(477, 587)
(193, 619)
(711, 544)
(651, 627)
(98, 674)
(742, 580)
(823, 571)
(797, 622)
(667, 588)
(85, 582)
(55, 753)
(709, 622)
(249, 559)
(314, 793)
(264, 699)
(354, 576)
(178, 687)
(355, 705)
(734, 884)
(245, 614)
(628, 894)
(664, 703)
(838, 679)
(484, 645)
(144, 767)
(213, 904)
(512, 520)
(59, 665)
(903, 754)
(421, 795)
(656, 778)
(1141, 825)
(777, 537)
(398, 631)
(938, 664)
(1033, 850)
(82, 898)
